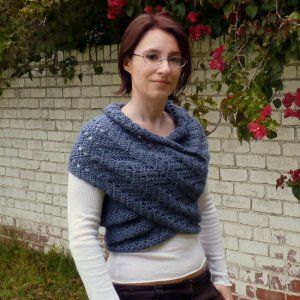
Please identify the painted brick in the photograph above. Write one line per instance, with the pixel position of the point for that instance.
(285, 223)
(270, 264)
(218, 186)
(291, 149)
(238, 230)
(245, 189)
(253, 247)
(293, 239)
(236, 201)
(231, 243)
(213, 172)
(71, 92)
(91, 91)
(235, 146)
(221, 132)
(221, 159)
(285, 134)
(251, 161)
(240, 259)
(291, 209)
(269, 236)
(263, 176)
(253, 219)
(267, 206)
(285, 253)
(227, 215)
(265, 147)
(279, 194)
(234, 174)
(214, 145)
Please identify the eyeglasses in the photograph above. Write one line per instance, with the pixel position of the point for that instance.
(154, 59)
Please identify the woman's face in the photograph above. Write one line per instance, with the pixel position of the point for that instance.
(154, 81)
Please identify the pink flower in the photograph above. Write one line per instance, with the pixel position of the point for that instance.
(258, 131)
(193, 16)
(197, 31)
(216, 62)
(148, 9)
(288, 100)
(266, 111)
(217, 53)
(159, 8)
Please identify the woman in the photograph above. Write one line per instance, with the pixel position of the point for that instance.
(140, 171)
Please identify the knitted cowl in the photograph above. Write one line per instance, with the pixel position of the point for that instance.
(151, 183)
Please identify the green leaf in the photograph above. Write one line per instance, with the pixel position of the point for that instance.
(80, 75)
(269, 6)
(277, 103)
(228, 9)
(98, 69)
(30, 75)
(296, 192)
(251, 10)
(203, 67)
(271, 134)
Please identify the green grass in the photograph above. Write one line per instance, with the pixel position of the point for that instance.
(29, 274)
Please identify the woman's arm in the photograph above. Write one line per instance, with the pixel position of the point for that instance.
(211, 239)
(84, 210)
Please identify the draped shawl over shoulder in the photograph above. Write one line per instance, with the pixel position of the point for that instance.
(151, 182)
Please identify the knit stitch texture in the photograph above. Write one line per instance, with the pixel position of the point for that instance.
(152, 183)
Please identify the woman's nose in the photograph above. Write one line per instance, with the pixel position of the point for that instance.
(164, 66)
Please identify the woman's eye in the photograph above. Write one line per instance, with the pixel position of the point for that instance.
(174, 59)
(152, 57)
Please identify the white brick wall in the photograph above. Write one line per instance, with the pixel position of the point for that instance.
(39, 121)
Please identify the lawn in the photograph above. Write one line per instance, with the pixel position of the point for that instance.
(29, 274)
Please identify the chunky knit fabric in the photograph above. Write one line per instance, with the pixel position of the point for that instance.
(152, 183)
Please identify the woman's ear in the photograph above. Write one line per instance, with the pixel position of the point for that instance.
(127, 64)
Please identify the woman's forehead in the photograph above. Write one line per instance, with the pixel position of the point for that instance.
(158, 40)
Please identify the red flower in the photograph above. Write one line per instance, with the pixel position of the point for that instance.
(280, 181)
(148, 9)
(159, 8)
(197, 31)
(193, 16)
(114, 13)
(258, 131)
(217, 53)
(116, 4)
(289, 113)
(297, 97)
(266, 111)
(216, 62)
(115, 8)
(288, 100)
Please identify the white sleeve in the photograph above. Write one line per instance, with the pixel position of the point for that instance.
(84, 211)
(211, 239)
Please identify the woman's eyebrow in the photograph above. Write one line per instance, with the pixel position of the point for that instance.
(158, 51)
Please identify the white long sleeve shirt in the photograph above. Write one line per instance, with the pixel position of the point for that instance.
(174, 258)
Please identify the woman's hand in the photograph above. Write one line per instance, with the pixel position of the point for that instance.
(224, 291)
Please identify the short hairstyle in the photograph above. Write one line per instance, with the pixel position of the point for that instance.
(135, 32)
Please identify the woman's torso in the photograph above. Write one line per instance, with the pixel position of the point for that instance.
(174, 258)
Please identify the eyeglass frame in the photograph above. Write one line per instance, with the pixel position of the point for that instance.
(161, 59)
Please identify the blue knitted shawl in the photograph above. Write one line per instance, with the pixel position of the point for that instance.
(151, 183)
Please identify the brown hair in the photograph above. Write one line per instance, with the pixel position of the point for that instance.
(134, 33)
